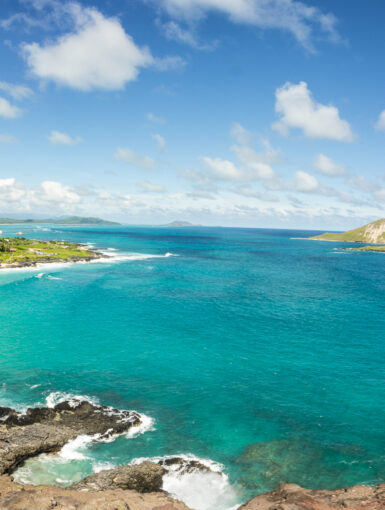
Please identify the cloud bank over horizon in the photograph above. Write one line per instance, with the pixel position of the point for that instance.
(100, 113)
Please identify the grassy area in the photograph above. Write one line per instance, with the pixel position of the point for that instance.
(371, 233)
(28, 251)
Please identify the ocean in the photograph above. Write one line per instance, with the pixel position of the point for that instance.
(259, 351)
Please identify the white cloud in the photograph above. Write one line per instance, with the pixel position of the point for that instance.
(293, 16)
(305, 182)
(361, 183)
(254, 161)
(8, 110)
(175, 32)
(240, 134)
(153, 118)
(97, 54)
(328, 167)
(298, 109)
(248, 192)
(160, 141)
(150, 187)
(257, 163)
(380, 124)
(55, 193)
(129, 156)
(4, 138)
(229, 207)
(58, 138)
(15, 91)
(224, 169)
(10, 191)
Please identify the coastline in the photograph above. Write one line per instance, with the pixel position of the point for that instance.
(137, 486)
(21, 253)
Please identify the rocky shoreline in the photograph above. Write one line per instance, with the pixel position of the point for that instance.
(133, 487)
(34, 263)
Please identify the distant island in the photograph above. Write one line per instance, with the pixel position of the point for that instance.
(19, 252)
(180, 224)
(68, 220)
(373, 233)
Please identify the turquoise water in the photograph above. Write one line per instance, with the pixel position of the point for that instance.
(254, 348)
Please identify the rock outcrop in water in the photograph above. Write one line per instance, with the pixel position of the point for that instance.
(143, 478)
(45, 430)
(294, 497)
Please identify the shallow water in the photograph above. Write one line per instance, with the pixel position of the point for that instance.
(254, 348)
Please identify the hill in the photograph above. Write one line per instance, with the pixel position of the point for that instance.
(373, 233)
(180, 224)
(69, 220)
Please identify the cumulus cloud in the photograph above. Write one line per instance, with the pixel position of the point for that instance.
(293, 16)
(58, 138)
(298, 109)
(17, 92)
(380, 124)
(305, 182)
(150, 187)
(254, 161)
(55, 193)
(96, 54)
(223, 169)
(8, 110)
(10, 191)
(160, 141)
(4, 138)
(327, 166)
(55, 198)
(258, 164)
(130, 157)
(252, 165)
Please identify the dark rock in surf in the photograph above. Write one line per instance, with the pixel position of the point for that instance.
(45, 430)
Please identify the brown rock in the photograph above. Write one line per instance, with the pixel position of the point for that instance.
(27, 497)
(294, 497)
(143, 478)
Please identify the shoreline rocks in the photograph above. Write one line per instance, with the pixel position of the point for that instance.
(14, 496)
(47, 430)
(145, 477)
(294, 497)
(133, 487)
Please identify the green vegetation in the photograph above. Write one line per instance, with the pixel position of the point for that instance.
(70, 220)
(20, 252)
(371, 233)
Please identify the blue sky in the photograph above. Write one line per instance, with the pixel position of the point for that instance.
(264, 113)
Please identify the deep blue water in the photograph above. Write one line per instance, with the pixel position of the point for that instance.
(254, 348)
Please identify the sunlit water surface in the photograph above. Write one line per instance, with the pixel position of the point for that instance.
(253, 349)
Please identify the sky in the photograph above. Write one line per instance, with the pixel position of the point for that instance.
(252, 113)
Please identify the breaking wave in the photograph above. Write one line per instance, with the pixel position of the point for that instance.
(201, 487)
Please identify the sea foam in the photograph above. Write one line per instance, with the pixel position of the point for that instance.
(198, 489)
